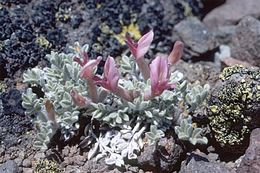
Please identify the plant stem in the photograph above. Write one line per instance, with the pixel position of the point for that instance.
(92, 90)
(144, 68)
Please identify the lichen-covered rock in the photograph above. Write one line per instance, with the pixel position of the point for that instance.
(234, 107)
(47, 166)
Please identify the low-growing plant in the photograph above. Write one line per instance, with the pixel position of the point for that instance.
(132, 100)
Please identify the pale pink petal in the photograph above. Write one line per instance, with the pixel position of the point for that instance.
(159, 75)
(131, 44)
(78, 60)
(113, 74)
(87, 69)
(85, 59)
(110, 77)
(144, 44)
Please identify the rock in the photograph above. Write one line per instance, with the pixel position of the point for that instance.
(26, 163)
(234, 109)
(201, 165)
(9, 167)
(27, 170)
(169, 154)
(147, 160)
(39, 155)
(224, 34)
(198, 40)
(164, 156)
(251, 161)
(208, 5)
(245, 44)
(231, 12)
(94, 166)
(223, 58)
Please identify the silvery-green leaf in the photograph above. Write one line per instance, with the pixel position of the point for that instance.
(100, 156)
(125, 117)
(93, 151)
(119, 120)
(148, 114)
(196, 132)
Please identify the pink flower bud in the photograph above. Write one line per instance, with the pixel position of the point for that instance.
(176, 52)
(78, 99)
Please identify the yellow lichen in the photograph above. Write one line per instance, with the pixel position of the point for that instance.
(214, 108)
(132, 29)
(228, 71)
(47, 166)
(2, 86)
(43, 42)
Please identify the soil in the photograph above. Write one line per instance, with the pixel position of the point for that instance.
(30, 29)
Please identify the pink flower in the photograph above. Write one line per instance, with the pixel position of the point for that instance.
(85, 59)
(176, 53)
(140, 48)
(88, 68)
(78, 99)
(110, 76)
(159, 75)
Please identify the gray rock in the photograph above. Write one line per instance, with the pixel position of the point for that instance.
(26, 163)
(169, 154)
(197, 38)
(224, 34)
(9, 167)
(251, 160)
(245, 44)
(165, 156)
(232, 12)
(147, 159)
(200, 166)
(92, 166)
(27, 170)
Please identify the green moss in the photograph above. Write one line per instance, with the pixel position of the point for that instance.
(234, 104)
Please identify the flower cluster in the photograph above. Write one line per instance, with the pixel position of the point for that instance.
(133, 101)
(158, 71)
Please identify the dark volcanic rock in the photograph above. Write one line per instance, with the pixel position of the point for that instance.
(9, 167)
(231, 12)
(245, 44)
(164, 156)
(12, 102)
(147, 158)
(251, 161)
(198, 40)
(13, 123)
